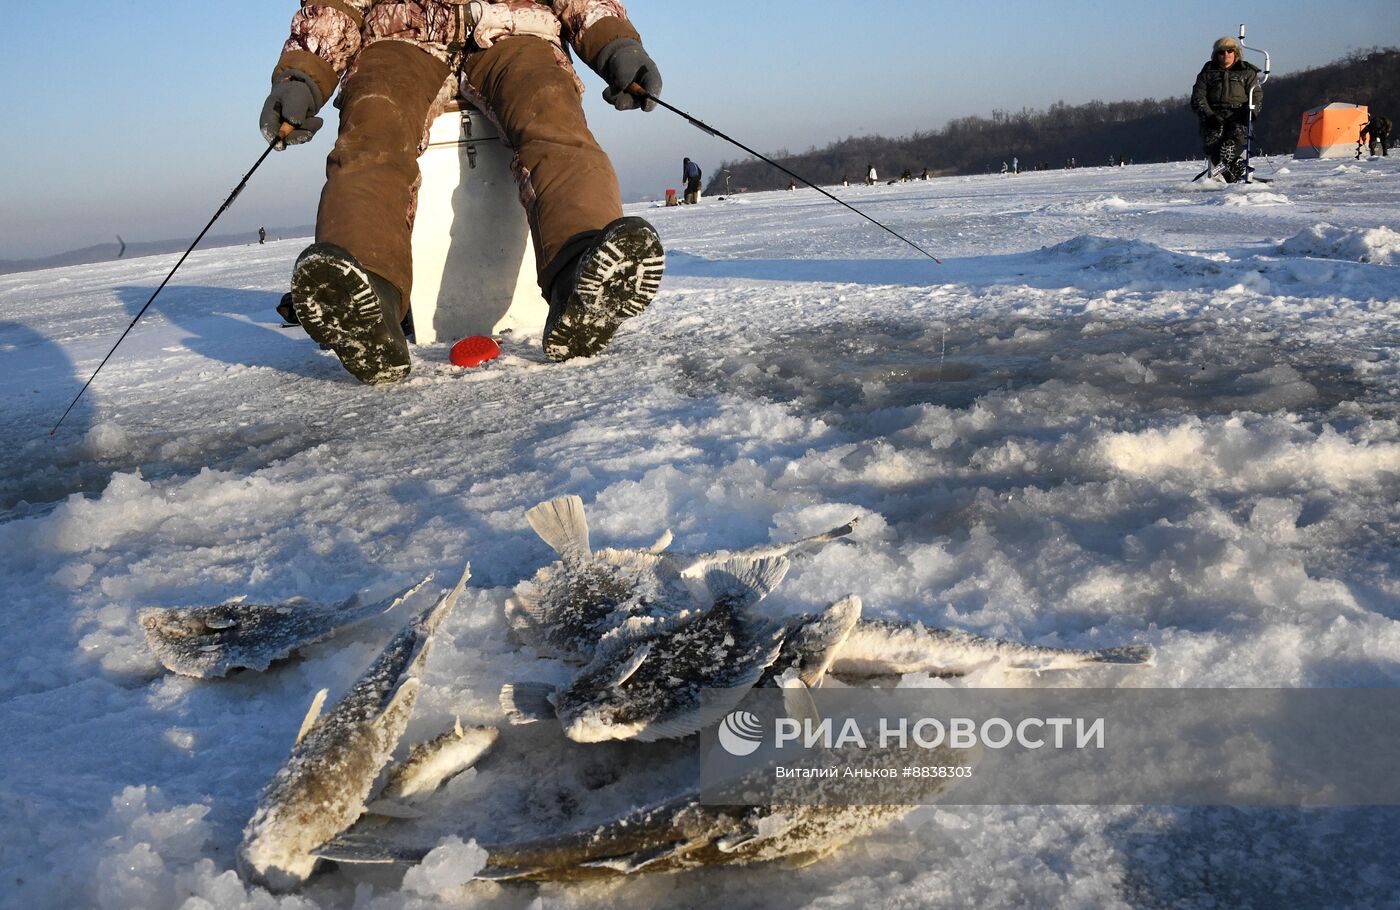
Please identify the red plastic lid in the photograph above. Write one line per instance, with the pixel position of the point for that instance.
(474, 351)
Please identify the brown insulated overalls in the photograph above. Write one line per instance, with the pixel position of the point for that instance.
(406, 61)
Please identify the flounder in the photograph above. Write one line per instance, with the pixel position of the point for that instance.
(578, 601)
(207, 642)
(649, 685)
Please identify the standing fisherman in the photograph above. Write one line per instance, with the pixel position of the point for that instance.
(1225, 88)
(1378, 129)
(690, 173)
(402, 64)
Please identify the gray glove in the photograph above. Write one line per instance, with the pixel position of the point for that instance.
(621, 62)
(295, 98)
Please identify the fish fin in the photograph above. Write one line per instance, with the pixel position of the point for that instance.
(527, 702)
(823, 639)
(508, 873)
(393, 808)
(639, 860)
(312, 714)
(628, 667)
(826, 536)
(1127, 655)
(358, 848)
(427, 622)
(844, 531)
(798, 702)
(746, 579)
(386, 605)
(560, 523)
(457, 727)
(783, 549)
(661, 543)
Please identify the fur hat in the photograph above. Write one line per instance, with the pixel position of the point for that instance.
(1225, 44)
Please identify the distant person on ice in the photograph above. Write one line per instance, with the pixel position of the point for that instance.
(402, 64)
(1221, 99)
(1378, 129)
(870, 175)
(690, 173)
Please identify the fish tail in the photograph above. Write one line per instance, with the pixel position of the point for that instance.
(561, 524)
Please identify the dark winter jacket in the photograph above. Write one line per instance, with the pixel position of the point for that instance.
(1377, 128)
(1223, 92)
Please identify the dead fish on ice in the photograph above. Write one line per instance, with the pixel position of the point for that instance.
(322, 788)
(812, 643)
(685, 832)
(670, 684)
(883, 648)
(431, 764)
(576, 602)
(207, 642)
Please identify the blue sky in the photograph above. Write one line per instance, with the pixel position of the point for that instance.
(137, 117)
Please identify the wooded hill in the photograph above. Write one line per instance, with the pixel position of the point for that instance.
(1141, 131)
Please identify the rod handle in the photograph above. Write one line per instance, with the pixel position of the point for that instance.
(635, 88)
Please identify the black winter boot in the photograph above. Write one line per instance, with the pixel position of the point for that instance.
(612, 280)
(354, 312)
(1230, 163)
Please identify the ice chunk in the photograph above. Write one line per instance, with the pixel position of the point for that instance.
(447, 867)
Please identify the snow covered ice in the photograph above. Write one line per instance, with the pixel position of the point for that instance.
(1126, 408)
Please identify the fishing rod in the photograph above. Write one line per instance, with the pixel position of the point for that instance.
(636, 89)
(281, 134)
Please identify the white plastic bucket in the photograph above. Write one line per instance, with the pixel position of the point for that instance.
(473, 262)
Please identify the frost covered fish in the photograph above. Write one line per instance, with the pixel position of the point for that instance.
(321, 789)
(208, 642)
(811, 643)
(574, 603)
(687, 833)
(673, 683)
(882, 648)
(430, 764)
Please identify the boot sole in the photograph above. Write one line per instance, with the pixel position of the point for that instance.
(338, 308)
(616, 281)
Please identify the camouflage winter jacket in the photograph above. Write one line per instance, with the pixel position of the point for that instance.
(1226, 91)
(327, 34)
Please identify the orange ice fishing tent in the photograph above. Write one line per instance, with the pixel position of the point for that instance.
(1331, 131)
